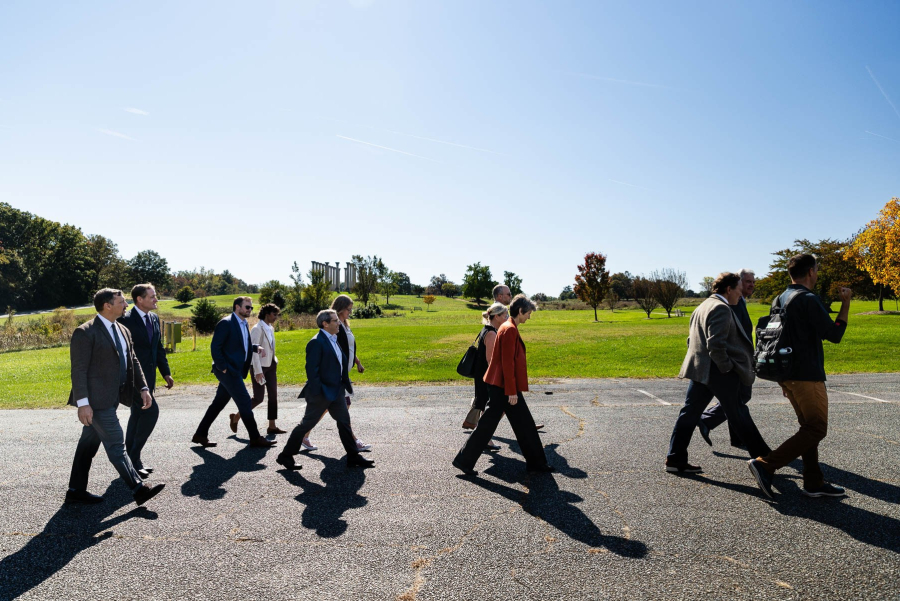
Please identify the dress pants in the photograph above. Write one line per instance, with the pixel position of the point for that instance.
(141, 423)
(231, 386)
(519, 419)
(271, 387)
(105, 428)
(716, 415)
(315, 408)
(726, 388)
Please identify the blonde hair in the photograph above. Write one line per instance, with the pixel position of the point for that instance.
(492, 311)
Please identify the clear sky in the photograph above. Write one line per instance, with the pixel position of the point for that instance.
(247, 135)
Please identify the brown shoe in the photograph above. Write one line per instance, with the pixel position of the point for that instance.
(468, 425)
(233, 419)
(262, 442)
(275, 431)
(202, 441)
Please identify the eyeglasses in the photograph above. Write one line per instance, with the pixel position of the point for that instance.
(248, 306)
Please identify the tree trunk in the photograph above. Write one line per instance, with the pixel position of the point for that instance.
(881, 297)
(595, 313)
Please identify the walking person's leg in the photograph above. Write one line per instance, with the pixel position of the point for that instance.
(727, 388)
(696, 399)
(522, 423)
(468, 455)
(141, 423)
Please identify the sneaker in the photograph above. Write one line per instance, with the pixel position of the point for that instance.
(361, 446)
(682, 468)
(762, 475)
(826, 490)
(704, 432)
(308, 445)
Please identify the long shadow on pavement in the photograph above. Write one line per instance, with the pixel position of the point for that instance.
(208, 479)
(71, 530)
(325, 505)
(546, 501)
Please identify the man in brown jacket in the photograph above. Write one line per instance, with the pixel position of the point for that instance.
(718, 361)
(105, 372)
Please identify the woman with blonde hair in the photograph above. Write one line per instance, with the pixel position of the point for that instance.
(492, 319)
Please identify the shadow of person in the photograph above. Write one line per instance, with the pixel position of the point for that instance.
(207, 479)
(325, 505)
(71, 530)
(553, 458)
(883, 491)
(557, 507)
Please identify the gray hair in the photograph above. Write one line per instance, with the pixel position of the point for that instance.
(324, 316)
(521, 304)
(498, 289)
(744, 272)
(493, 311)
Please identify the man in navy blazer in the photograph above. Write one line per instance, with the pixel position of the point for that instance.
(326, 380)
(147, 337)
(232, 352)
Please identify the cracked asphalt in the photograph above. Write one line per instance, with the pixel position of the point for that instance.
(609, 524)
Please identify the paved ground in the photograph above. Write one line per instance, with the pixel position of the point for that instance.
(609, 525)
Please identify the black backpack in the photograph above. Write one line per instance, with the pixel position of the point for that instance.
(773, 357)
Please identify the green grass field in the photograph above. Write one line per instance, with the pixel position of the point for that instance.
(425, 346)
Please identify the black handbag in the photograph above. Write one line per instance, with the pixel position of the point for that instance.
(466, 367)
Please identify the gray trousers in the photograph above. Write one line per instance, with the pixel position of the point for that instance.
(105, 429)
(140, 426)
(315, 407)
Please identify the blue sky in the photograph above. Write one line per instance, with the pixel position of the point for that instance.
(701, 136)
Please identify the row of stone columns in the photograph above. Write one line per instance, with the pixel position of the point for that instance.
(333, 274)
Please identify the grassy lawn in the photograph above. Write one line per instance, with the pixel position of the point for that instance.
(425, 346)
(166, 307)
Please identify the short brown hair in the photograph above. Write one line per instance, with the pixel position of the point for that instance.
(520, 304)
(341, 302)
(267, 309)
(725, 281)
(799, 265)
(240, 301)
(105, 295)
(140, 290)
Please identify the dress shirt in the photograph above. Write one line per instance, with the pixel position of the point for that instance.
(109, 326)
(337, 350)
(244, 332)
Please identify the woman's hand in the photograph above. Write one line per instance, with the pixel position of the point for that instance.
(513, 399)
(359, 366)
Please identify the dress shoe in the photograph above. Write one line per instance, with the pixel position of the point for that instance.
(682, 468)
(541, 469)
(287, 462)
(263, 443)
(308, 445)
(491, 446)
(203, 441)
(143, 473)
(145, 493)
(148, 469)
(468, 425)
(704, 432)
(275, 431)
(233, 419)
(826, 490)
(359, 461)
(539, 426)
(82, 496)
(763, 477)
(465, 470)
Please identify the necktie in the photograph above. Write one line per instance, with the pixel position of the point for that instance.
(244, 334)
(149, 327)
(123, 371)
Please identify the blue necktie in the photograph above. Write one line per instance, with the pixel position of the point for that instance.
(123, 370)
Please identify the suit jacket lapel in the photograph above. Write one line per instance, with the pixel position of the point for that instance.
(99, 323)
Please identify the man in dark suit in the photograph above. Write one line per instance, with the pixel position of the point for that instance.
(232, 353)
(716, 415)
(147, 337)
(326, 379)
(105, 372)
(718, 361)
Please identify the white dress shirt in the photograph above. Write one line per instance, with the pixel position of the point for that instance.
(109, 326)
(245, 333)
(337, 350)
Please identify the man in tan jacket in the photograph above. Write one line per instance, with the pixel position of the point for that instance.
(718, 361)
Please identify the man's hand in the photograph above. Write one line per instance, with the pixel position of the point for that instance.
(169, 381)
(148, 400)
(86, 415)
(359, 366)
(845, 294)
(262, 352)
(513, 399)
(260, 378)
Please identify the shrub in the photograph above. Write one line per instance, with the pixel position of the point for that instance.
(367, 311)
(185, 295)
(278, 299)
(205, 315)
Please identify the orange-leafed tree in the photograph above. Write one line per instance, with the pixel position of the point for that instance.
(428, 299)
(592, 280)
(876, 249)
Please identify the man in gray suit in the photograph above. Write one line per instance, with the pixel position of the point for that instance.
(718, 361)
(105, 372)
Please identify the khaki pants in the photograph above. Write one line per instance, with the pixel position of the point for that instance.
(810, 402)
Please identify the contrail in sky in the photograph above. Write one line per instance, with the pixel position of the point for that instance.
(883, 93)
(880, 136)
(116, 134)
(386, 148)
(135, 111)
(625, 81)
(400, 133)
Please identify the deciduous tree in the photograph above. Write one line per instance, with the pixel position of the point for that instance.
(428, 299)
(149, 266)
(592, 280)
(477, 282)
(645, 294)
(876, 249)
(368, 271)
(668, 286)
(513, 282)
(706, 284)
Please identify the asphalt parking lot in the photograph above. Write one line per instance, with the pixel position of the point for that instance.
(609, 524)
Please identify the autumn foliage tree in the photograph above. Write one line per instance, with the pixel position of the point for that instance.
(876, 249)
(592, 280)
(428, 299)
(645, 294)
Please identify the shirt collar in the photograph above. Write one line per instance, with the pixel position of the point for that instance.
(239, 318)
(141, 313)
(105, 321)
(724, 300)
(331, 337)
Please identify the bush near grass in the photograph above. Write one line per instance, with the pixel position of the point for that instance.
(44, 332)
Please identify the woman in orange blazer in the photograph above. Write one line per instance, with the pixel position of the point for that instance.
(507, 379)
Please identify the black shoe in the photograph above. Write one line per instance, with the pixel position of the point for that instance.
(287, 462)
(359, 461)
(203, 441)
(82, 496)
(466, 470)
(143, 472)
(826, 490)
(762, 475)
(542, 469)
(704, 432)
(491, 446)
(682, 468)
(263, 443)
(145, 493)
